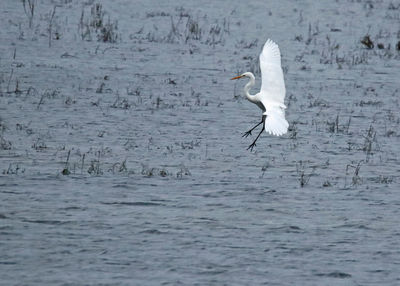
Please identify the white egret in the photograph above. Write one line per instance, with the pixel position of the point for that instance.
(272, 94)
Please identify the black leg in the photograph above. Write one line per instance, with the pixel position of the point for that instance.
(249, 132)
(263, 128)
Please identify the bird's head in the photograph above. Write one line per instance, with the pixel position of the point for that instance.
(246, 74)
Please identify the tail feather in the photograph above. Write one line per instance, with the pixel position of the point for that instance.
(275, 123)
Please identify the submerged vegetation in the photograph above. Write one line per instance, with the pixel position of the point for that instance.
(141, 110)
(98, 25)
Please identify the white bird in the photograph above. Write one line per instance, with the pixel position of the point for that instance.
(272, 94)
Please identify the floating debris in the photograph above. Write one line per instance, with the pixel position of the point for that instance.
(366, 41)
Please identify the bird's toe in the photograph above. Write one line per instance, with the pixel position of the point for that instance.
(246, 134)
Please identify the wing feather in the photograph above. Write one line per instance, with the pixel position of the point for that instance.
(275, 122)
(273, 86)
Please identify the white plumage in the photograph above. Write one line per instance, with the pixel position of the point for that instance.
(272, 84)
(272, 94)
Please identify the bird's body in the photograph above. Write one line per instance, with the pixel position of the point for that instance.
(271, 97)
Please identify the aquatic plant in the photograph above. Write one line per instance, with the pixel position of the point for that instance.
(95, 25)
(29, 9)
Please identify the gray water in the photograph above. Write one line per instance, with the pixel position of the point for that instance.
(122, 157)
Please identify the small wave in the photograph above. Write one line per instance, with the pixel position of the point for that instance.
(145, 204)
(335, 274)
(51, 222)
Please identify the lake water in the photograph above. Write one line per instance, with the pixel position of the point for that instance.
(122, 160)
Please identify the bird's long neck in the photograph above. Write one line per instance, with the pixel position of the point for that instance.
(248, 86)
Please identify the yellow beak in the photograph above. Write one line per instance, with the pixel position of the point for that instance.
(237, 77)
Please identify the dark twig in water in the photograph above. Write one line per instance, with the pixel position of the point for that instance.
(29, 9)
(66, 171)
(51, 24)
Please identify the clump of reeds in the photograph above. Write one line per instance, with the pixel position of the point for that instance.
(95, 26)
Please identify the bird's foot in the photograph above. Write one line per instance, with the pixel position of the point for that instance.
(246, 134)
(251, 146)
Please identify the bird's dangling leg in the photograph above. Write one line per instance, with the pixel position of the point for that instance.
(246, 134)
(263, 128)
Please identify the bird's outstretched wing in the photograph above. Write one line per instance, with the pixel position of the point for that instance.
(272, 86)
